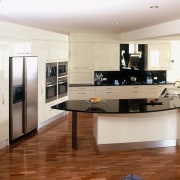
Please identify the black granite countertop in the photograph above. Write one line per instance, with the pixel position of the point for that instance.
(81, 85)
(130, 84)
(121, 105)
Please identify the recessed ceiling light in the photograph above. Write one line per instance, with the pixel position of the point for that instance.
(154, 7)
(117, 22)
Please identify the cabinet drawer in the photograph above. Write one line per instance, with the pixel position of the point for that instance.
(81, 95)
(49, 113)
(107, 94)
(89, 88)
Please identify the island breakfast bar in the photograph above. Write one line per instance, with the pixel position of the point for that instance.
(137, 112)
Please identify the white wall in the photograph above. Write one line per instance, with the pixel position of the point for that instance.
(9, 30)
(161, 30)
(174, 73)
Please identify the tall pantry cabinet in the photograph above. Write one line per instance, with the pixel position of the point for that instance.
(4, 92)
(87, 57)
(48, 51)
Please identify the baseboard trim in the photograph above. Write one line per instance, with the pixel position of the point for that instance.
(4, 143)
(137, 145)
(178, 142)
(44, 123)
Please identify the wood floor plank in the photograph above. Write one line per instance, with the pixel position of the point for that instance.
(48, 154)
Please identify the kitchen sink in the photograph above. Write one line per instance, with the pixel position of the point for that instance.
(171, 92)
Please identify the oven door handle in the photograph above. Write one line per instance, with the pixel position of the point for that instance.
(51, 85)
(61, 82)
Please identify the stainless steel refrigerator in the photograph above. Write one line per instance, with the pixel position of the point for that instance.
(23, 95)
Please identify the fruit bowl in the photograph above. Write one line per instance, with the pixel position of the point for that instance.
(94, 100)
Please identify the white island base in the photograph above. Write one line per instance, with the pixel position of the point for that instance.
(137, 130)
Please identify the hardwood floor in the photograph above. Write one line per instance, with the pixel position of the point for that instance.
(47, 154)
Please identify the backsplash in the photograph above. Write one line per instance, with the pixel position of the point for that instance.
(129, 76)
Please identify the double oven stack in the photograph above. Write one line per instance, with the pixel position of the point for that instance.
(56, 80)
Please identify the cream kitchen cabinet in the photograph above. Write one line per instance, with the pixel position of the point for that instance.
(49, 112)
(94, 56)
(4, 93)
(106, 56)
(81, 63)
(85, 58)
(84, 77)
(142, 91)
(117, 92)
(81, 57)
(64, 51)
(81, 93)
(57, 50)
(159, 56)
(120, 92)
(20, 47)
(53, 51)
(108, 92)
(134, 92)
(154, 91)
(39, 50)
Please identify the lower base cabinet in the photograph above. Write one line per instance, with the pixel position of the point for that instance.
(49, 112)
(81, 93)
(117, 92)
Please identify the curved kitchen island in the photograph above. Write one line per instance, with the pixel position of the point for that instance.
(129, 123)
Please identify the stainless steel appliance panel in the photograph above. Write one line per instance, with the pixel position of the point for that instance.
(62, 87)
(31, 93)
(51, 89)
(51, 70)
(16, 102)
(17, 70)
(62, 68)
(17, 125)
(23, 91)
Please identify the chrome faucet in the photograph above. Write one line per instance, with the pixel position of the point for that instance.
(178, 84)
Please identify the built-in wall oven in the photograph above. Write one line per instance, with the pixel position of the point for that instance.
(51, 89)
(62, 68)
(51, 81)
(62, 86)
(51, 70)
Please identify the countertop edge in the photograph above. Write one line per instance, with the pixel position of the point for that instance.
(86, 85)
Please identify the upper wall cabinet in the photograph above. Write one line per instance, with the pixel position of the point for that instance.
(94, 56)
(159, 56)
(87, 57)
(81, 57)
(106, 56)
(39, 48)
(57, 50)
(20, 48)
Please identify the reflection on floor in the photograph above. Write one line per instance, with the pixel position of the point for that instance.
(47, 155)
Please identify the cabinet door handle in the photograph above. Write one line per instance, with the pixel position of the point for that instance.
(81, 93)
(135, 91)
(3, 99)
(42, 89)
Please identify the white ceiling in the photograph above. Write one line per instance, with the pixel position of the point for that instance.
(89, 16)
